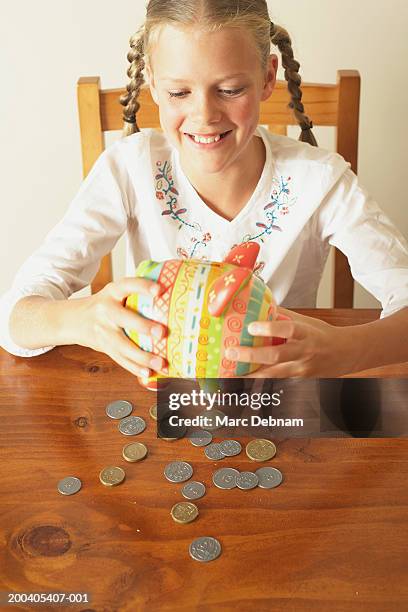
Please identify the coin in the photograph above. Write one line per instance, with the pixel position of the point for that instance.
(157, 407)
(166, 431)
(184, 512)
(193, 490)
(112, 476)
(132, 425)
(230, 448)
(269, 477)
(260, 450)
(226, 478)
(205, 549)
(212, 419)
(153, 412)
(247, 480)
(178, 471)
(201, 438)
(69, 485)
(119, 409)
(213, 451)
(134, 452)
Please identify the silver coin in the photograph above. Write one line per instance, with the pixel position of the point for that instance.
(205, 549)
(226, 478)
(230, 448)
(269, 477)
(193, 490)
(201, 438)
(178, 471)
(69, 485)
(132, 425)
(213, 451)
(119, 409)
(165, 430)
(247, 480)
(212, 419)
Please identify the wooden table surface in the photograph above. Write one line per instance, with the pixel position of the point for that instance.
(332, 537)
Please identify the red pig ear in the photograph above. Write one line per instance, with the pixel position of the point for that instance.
(224, 288)
(244, 255)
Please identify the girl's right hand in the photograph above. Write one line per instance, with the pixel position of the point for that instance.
(105, 317)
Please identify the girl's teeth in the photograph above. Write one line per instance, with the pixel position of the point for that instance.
(206, 140)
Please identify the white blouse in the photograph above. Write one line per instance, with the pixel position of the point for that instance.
(306, 199)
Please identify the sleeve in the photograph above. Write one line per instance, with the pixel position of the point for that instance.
(352, 221)
(69, 256)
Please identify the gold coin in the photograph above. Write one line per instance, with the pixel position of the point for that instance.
(260, 450)
(184, 512)
(112, 476)
(136, 451)
(153, 412)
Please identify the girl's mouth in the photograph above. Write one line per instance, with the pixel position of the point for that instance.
(208, 143)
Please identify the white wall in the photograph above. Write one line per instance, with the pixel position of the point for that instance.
(47, 45)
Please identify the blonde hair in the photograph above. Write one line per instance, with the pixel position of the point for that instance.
(212, 15)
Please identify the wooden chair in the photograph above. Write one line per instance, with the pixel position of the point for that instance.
(330, 105)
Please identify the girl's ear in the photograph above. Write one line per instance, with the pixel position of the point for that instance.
(153, 91)
(270, 77)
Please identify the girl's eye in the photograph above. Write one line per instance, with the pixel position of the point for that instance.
(227, 92)
(232, 92)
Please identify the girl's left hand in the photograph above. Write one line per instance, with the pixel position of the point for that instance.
(312, 348)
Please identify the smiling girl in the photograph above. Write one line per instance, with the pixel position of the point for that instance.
(210, 180)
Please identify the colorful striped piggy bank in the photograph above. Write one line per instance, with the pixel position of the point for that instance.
(207, 307)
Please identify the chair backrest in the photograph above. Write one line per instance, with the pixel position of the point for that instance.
(326, 104)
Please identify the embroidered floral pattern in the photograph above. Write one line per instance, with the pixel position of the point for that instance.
(166, 191)
(279, 206)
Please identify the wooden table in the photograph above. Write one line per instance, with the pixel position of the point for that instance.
(332, 537)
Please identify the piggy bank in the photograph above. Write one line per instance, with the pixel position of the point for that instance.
(207, 307)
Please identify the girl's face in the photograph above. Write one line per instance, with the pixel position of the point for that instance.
(209, 85)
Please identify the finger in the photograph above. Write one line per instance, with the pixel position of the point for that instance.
(143, 374)
(296, 316)
(128, 285)
(290, 369)
(127, 349)
(133, 368)
(129, 319)
(270, 355)
(291, 330)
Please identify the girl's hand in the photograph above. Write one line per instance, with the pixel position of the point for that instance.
(312, 348)
(105, 317)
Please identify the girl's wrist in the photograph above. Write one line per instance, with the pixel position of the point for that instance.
(350, 348)
(70, 321)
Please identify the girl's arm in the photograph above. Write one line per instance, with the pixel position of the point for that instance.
(96, 321)
(36, 314)
(381, 342)
(316, 348)
(36, 322)
(69, 256)
(378, 255)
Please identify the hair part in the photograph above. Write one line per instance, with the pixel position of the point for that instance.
(213, 15)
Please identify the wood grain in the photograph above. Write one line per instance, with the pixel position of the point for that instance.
(332, 536)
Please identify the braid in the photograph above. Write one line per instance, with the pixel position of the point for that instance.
(281, 39)
(129, 99)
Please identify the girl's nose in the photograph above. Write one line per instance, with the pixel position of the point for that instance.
(205, 109)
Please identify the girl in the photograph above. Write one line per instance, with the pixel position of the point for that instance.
(210, 180)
